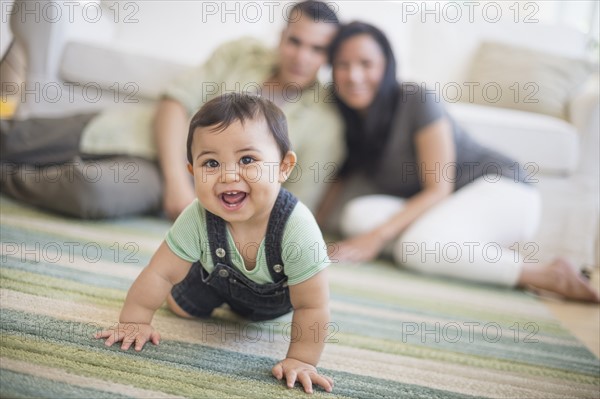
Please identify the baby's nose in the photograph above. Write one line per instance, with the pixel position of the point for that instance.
(230, 173)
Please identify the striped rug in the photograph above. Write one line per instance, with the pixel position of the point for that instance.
(393, 333)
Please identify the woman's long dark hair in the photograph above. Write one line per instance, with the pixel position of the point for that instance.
(366, 137)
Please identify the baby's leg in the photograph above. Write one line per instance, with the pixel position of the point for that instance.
(192, 297)
(175, 308)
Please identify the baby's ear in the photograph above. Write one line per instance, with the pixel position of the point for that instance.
(287, 165)
(190, 168)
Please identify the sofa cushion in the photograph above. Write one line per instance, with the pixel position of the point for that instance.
(550, 143)
(112, 69)
(525, 79)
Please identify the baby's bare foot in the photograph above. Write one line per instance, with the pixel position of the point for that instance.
(564, 278)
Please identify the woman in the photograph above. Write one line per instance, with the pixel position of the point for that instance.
(445, 205)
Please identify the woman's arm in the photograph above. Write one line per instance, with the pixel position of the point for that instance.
(329, 200)
(435, 149)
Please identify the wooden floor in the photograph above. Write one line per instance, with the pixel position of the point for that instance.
(583, 320)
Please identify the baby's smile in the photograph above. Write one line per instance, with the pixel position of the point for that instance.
(233, 200)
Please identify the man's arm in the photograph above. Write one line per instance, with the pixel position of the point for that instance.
(170, 130)
(320, 146)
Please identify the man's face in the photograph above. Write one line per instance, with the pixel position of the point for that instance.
(303, 49)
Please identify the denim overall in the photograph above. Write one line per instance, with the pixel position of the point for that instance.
(200, 292)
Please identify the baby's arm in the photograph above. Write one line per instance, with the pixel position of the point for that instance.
(146, 295)
(310, 300)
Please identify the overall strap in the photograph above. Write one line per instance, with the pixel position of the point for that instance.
(217, 239)
(282, 209)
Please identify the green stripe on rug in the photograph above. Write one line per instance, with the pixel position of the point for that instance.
(50, 287)
(52, 246)
(20, 385)
(175, 367)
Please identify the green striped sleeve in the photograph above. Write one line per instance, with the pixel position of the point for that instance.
(186, 234)
(304, 252)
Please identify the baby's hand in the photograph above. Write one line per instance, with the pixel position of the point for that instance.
(130, 333)
(304, 373)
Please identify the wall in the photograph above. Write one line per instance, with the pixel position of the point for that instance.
(431, 39)
(434, 41)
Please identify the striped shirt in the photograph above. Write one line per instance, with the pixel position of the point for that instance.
(304, 251)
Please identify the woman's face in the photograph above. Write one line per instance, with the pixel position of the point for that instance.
(358, 70)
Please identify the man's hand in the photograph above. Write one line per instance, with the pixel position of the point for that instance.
(130, 333)
(294, 370)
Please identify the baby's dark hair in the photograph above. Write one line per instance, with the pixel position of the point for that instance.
(222, 111)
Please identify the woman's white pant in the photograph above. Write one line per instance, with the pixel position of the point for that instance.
(475, 234)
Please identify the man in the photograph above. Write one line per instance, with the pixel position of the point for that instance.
(84, 147)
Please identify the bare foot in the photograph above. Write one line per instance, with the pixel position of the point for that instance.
(560, 277)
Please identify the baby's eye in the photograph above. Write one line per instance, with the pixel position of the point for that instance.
(246, 160)
(211, 163)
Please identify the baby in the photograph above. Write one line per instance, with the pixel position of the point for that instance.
(226, 247)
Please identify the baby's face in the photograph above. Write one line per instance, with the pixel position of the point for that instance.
(238, 171)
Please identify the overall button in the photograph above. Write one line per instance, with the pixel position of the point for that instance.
(223, 273)
(277, 268)
(220, 252)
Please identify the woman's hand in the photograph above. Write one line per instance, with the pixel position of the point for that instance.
(294, 370)
(362, 248)
(130, 333)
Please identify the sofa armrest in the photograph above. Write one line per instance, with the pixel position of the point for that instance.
(584, 114)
